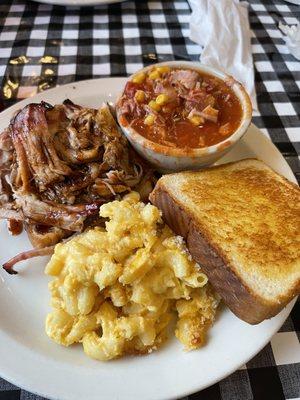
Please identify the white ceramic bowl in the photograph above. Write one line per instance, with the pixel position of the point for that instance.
(167, 159)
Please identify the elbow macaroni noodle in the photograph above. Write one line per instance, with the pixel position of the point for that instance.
(116, 290)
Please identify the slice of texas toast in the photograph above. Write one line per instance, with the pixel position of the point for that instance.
(241, 222)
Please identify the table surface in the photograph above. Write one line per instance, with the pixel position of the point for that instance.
(42, 46)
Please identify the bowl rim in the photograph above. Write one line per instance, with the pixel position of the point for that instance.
(237, 88)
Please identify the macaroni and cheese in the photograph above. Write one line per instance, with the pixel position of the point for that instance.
(116, 290)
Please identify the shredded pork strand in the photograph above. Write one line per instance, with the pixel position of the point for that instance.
(8, 266)
(58, 164)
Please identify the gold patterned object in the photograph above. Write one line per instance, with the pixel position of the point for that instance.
(117, 289)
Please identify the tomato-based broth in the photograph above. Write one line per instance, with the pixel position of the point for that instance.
(180, 107)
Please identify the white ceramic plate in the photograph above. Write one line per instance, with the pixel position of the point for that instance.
(31, 360)
(79, 3)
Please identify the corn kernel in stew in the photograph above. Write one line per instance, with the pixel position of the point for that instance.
(139, 78)
(154, 106)
(164, 69)
(162, 99)
(140, 96)
(149, 120)
(154, 75)
(196, 120)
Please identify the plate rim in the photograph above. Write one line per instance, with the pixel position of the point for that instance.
(182, 394)
(12, 377)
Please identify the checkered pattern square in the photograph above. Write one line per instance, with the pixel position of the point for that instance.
(42, 46)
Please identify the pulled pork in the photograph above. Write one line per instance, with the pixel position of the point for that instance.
(58, 165)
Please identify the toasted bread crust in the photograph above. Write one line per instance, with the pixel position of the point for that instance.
(240, 298)
(235, 294)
